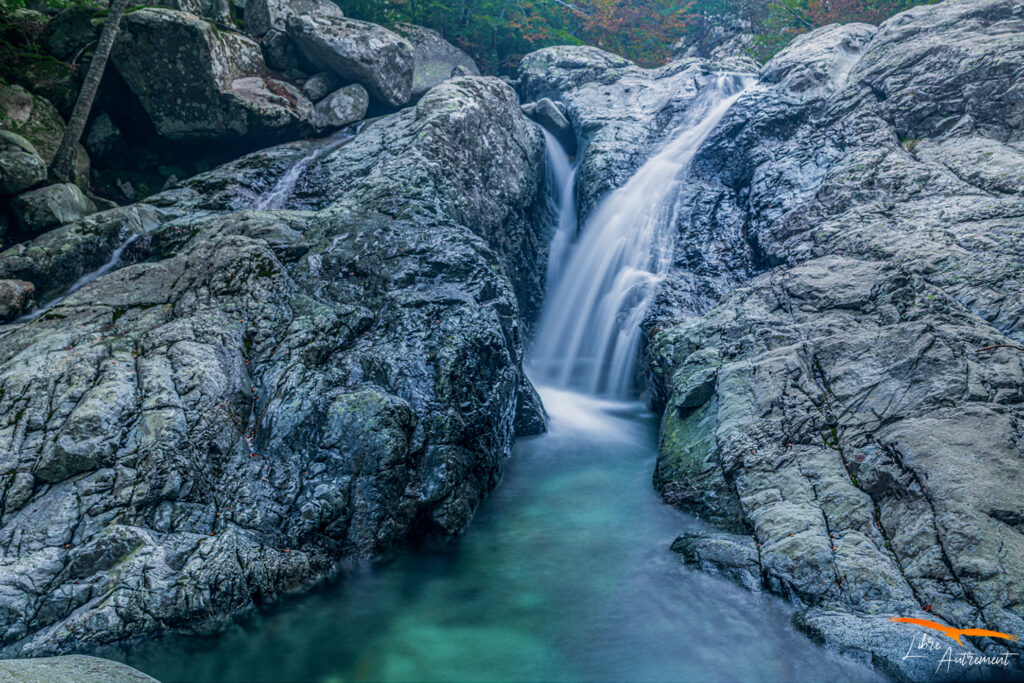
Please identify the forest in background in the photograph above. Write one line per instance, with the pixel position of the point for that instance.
(498, 32)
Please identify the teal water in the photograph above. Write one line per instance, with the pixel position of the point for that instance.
(564, 575)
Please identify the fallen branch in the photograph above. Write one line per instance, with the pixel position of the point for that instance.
(999, 346)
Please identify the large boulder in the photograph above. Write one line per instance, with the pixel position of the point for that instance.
(320, 85)
(837, 350)
(71, 32)
(48, 207)
(15, 296)
(435, 59)
(342, 107)
(196, 81)
(358, 51)
(21, 167)
(263, 15)
(239, 402)
(39, 122)
(547, 114)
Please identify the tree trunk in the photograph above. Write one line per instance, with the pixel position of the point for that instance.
(62, 169)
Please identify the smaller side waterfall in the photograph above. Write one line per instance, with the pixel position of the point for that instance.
(589, 335)
(562, 201)
(115, 258)
(278, 197)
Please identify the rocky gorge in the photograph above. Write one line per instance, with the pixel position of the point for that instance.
(228, 391)
(837, 350)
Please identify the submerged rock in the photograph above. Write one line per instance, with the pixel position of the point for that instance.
(837, 350)
(246, 400)
(358, 51)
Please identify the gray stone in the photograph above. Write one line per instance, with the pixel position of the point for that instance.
(70, 32)
(39, 122)
(48, 207)
(837, 349)
(547, 114)
(263, 15)
(70, 669)
(281, 54)
(436, 60)
(103, 138)
(320, 85)
(357, 51)
(21, 167)
(342, 107)
(15, 296)
(196, 81)
(733, 557)
(249, 400)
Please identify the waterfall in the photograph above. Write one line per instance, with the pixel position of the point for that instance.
(589, 335)
(562, 201)
(115, 258)
(282, 190)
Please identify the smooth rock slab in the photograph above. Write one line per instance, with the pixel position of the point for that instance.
(69, 669)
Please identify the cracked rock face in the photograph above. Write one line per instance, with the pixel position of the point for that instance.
(838, 350)
(250, 399)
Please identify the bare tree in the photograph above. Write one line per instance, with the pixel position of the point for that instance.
(63, 167)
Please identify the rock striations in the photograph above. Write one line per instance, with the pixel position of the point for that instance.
(247, 399)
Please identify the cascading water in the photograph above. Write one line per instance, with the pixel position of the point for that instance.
(278, 197)
(590, 329)
(114, 260)
(562, 200)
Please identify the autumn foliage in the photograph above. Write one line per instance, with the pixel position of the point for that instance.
(497, 33)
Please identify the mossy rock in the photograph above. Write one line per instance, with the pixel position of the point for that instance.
(39, 122)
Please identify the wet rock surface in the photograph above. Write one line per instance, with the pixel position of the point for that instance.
(838, 351)
(70, 668)
(248, 400)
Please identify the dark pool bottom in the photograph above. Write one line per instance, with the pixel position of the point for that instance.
(564, 575)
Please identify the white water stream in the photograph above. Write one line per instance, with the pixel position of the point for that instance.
(589, 334)
(282, 191)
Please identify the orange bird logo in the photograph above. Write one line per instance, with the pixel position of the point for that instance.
(954, 633)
